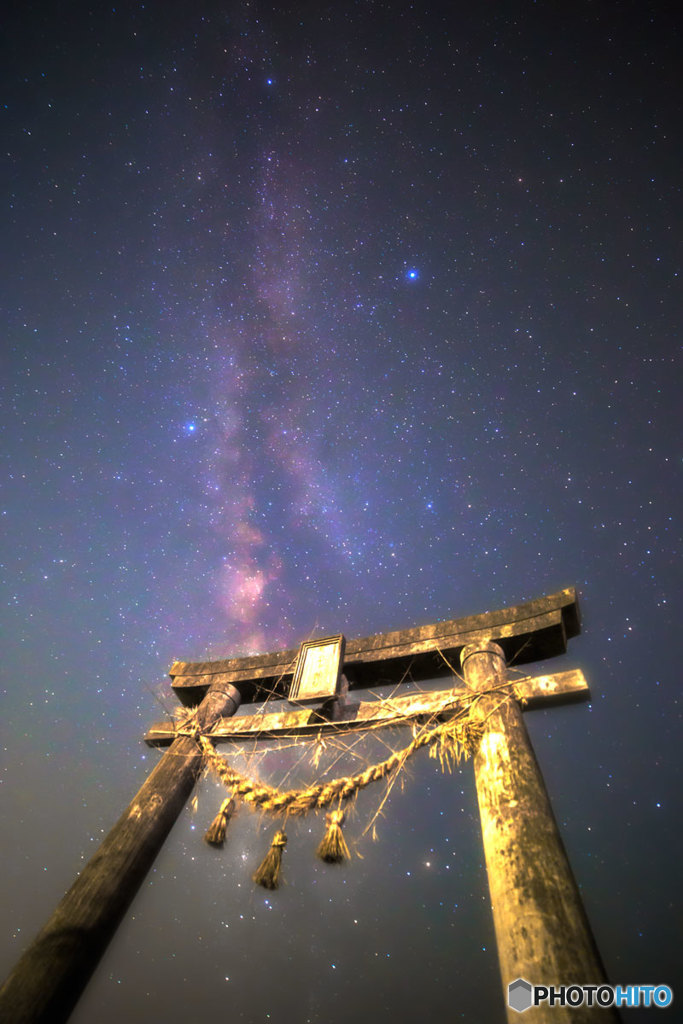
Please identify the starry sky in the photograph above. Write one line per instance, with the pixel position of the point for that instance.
(319, 318)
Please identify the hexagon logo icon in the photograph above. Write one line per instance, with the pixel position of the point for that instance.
(520, 995)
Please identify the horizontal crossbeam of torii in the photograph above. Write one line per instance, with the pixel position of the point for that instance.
(542, 932)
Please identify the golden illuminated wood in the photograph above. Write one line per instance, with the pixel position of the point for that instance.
(541, 928)
(49, 978)
(561, 687)
(542, 932)
(527, 632)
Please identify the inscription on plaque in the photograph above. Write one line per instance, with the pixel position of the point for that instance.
(318, 670)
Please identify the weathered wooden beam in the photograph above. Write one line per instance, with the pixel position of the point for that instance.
(556, 688)
(526, 632)
(561, 687)
(542, 931)
(47, 981)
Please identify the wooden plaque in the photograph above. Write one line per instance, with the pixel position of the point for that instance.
(318, 670)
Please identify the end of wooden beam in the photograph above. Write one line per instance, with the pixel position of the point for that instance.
(559, 687)
(160, 735)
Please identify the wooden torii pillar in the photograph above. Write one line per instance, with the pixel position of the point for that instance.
(542, 932)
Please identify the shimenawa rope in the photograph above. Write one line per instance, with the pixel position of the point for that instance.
(450, 741)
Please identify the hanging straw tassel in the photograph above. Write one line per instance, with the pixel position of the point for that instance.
(333, 848)
(215, 834)
(268, 874)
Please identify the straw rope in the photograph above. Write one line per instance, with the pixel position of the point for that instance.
(449, 741)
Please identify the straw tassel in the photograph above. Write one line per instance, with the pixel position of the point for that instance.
(268, 874)
(215, 834)
(333, 848)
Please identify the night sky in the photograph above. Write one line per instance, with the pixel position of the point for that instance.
(326, 318)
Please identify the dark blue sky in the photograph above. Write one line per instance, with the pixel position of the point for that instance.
(330, 318)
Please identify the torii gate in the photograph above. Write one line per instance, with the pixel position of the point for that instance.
(542, 932)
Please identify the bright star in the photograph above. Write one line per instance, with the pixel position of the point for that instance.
(412, 274)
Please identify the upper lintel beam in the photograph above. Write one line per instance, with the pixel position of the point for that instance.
(527, 632)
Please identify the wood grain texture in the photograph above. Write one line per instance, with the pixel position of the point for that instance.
(527, 632)
(542, 931)
(561, 687)
(46, 983)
